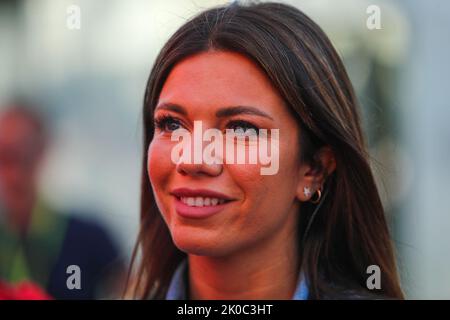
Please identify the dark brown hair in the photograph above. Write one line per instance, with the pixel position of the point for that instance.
(349, 232)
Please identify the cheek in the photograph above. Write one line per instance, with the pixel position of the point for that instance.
(265, 195)
(265, 210)
(284, 180)
(159, 166)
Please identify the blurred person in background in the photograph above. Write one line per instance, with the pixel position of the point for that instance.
(37, 243)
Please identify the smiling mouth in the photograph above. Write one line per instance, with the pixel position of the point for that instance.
(200, 197)
(201, 201)
(200, 207)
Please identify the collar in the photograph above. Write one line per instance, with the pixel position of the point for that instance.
(178, 285)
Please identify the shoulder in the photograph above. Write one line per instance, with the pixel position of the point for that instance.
(354, 295)
(340, 288)
(87, 230)
(89, 239)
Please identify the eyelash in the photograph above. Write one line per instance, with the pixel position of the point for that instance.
(163, 121)
(244, 124)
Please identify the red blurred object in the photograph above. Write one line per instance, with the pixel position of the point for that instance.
(23, 291)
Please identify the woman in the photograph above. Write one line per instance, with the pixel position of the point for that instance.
(223, 230)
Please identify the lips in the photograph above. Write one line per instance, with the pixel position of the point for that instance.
(205, 193)
(199, 203)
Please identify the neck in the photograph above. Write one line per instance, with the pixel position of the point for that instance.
(268, 271)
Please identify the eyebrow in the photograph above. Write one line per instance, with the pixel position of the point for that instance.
(221, 113)
(171, 107)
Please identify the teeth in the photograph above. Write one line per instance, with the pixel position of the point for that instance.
(201, 201)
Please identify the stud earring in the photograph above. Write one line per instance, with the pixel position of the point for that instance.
(307, 192)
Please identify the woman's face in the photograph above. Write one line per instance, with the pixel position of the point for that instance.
(257, 207)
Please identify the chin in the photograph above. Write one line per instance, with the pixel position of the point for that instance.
(199, 244)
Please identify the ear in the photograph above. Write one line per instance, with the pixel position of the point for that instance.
(314, 174)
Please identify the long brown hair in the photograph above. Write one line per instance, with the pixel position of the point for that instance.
(349, 232)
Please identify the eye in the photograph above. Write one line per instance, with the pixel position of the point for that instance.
(241, 128)
(167, 123)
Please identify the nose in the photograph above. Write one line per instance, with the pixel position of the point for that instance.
(203, 168)
(190, 165)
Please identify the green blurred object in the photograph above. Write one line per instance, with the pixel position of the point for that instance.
(31, 256)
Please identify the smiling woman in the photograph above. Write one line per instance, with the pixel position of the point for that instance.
(223, 230)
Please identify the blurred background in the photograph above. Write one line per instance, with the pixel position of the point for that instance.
(86, 81)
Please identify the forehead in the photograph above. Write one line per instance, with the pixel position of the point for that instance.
(218, 78)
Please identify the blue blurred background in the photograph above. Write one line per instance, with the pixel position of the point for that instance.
(89, 84)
